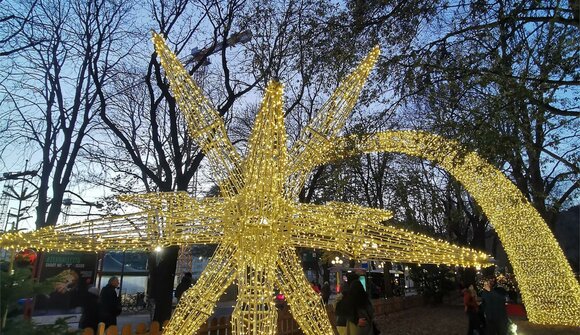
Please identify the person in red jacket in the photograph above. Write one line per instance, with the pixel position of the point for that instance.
(315, 287)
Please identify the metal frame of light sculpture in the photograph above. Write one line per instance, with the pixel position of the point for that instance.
(256, 223)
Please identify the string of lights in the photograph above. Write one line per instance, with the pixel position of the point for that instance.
(204, 123)
(549, 289)
(258, 225)
(310, 317)
(318, 136)
(197, 303)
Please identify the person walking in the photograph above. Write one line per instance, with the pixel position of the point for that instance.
(325, 292)
(110, 304)
(90, 310)
(496, 319)
(472, 310)
(183, 286)
(361, 312)
(341, 311)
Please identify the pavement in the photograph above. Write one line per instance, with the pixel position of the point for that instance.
(450, 319)
(133, 318)
(442, 319)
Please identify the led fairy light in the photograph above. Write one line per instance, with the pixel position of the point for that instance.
(353, 230)
(549, 290)
(318, 136)
(204, 123)
(257, 223)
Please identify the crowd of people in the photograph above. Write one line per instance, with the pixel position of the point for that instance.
(105, 306)
(486, 311)
(353, 307)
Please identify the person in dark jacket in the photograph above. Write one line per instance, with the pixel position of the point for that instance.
(496, 319)
(325, 292)
(90, 306)
(361, 320)
(110, 304)
(342, 312)
(183, 286)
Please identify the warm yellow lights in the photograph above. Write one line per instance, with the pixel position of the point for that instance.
(258, 224)
(549, 290)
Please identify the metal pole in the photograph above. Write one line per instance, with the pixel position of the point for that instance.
(20, 198)
(100, 261)
(121, 281)
(7, 219)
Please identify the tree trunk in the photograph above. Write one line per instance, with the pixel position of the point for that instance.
(161, 287)
(478, 227)
(325, 272)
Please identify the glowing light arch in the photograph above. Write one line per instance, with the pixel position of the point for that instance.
(549, 290)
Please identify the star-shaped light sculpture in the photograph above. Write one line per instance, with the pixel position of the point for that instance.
(257, 222)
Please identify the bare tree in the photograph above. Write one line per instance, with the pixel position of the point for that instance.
(147, 134)
(500, 76)
(15, 17)
(52, 92)
(147, 137)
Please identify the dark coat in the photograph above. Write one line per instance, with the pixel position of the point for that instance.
(359, 306)
(342, 311)
(183, 286)
(90, 315)
(496, 319)
(494, 306)
(110, 306)
(325, 292)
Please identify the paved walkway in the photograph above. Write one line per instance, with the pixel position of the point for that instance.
(133, 318)
(448, 319)
(444, 319)
(73, 319)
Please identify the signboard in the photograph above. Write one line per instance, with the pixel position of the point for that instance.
(76, 271)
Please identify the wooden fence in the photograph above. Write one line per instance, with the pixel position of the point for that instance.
(286, 323)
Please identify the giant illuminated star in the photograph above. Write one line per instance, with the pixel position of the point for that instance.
(257, 222)
(262, 225)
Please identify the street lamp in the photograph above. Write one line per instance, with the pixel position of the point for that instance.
(68, 202)
(337, 261)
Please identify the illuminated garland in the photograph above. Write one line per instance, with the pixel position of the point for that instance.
(257, 222)
(549, 290)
